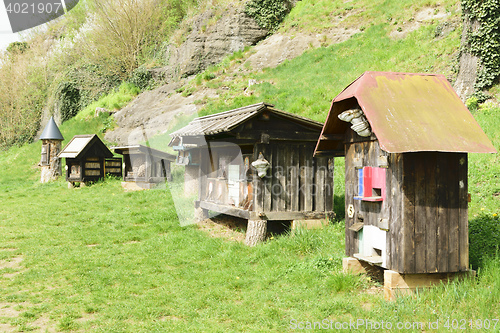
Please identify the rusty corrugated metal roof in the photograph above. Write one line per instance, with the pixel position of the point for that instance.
(228, 120)
(408, 113)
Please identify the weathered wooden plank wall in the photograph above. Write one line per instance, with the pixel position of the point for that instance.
(395, 195)
(296, 182)
(435, 212)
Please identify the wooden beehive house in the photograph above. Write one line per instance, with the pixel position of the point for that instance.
(405, 138)
(223, 151)
(88, 159)
(50, 163)
(144, 166)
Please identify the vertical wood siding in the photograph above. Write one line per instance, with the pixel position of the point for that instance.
(296, 182)
(435, 212)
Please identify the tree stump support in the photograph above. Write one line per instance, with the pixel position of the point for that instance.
(256, 232)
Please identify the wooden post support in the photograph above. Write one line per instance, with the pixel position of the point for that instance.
(200, 214)
(403, 284)
(353, 266)
(256, 232)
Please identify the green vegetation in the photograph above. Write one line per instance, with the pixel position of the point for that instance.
(307, 84)
(267, 13)
(113, 101)
(98, 259)
(77, 60)
(484, 41)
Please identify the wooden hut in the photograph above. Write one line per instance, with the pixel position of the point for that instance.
(405, 138)
(88, 159)
(50, 163)
(144, 166)
(223, 151)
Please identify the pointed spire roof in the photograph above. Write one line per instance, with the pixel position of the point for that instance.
(51, 131)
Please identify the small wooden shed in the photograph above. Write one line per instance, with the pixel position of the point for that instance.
(88, 159)
(222, 153)
(144, 165)
(405, 138)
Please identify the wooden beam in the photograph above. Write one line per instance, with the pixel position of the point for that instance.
(223, 209)
(375, 260)
(279, 136)
(287, 216)
(333, 152)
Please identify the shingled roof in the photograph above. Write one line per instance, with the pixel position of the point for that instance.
(141, 149)
(228, 120)
(408, 113)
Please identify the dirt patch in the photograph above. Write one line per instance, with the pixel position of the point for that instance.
(231, 228)
(7, 310)
(44, 325)
(7, 328)
(277, 48)
(422, 16)
(11, 263)
(375, 290)
(234, 228)
(168, 318)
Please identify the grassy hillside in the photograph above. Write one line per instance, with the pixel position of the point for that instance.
(98, 259)
(307, 84)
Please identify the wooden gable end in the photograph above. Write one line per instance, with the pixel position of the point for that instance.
(268, 126)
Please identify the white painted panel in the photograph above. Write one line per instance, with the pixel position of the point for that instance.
(374, 238)
(233, 183)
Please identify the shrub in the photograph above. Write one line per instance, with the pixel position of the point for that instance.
(267, 13)
(69, 100)
(472, 104)
(484, 238)
(141, 78)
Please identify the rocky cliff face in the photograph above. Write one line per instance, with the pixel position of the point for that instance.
(469, 64)
(210, 40)
(212, 37)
